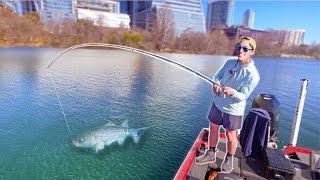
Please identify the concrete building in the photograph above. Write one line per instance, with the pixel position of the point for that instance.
(103, 18)
(289, 37)
(219, 13)
(284, 38)
(103, 13)
(248, 18)
(112, 6)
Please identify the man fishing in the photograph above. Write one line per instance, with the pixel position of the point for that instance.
(234, 83)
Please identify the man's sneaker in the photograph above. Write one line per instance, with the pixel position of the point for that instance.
(227, 164)
(208, 157)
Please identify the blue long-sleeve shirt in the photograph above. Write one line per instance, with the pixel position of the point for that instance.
(242, 78)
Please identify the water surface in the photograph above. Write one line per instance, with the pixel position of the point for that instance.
(99, 86)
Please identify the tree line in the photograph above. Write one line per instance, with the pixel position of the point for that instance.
(28, 31)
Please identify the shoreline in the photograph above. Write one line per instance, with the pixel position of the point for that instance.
(296, 56)
(282, 55)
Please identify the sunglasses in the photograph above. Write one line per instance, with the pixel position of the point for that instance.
(245, 49)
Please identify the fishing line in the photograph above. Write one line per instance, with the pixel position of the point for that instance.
(134, 50)
(139, 51)
(64, 115)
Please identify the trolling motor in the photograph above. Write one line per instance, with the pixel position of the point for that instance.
(271, 104)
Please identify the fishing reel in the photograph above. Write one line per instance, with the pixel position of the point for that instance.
(221, 93)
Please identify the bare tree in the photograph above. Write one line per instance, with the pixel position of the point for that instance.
(28, 31)
(268, 44)
(218, 43)
(191, 42)
(163, 28)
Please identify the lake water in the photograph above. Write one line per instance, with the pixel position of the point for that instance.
(100, 86)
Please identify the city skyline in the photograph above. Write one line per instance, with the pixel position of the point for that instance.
(283, 15)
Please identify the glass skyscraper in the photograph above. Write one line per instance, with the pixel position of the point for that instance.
(21, 7)
(185, 14)
(133, 8)
(219, 13)
(248, 18)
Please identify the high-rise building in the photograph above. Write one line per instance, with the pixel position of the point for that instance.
(58, 10)
(132, 8)
(248, 18)
(219, 13)
(21, 7)
(187, 15)
(103, 13)
(184, 14)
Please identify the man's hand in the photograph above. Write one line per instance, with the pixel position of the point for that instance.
(229, 91)
(217, 87)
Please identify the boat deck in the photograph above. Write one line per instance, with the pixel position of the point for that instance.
(243, 168)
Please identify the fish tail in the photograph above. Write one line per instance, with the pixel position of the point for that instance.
(137, 133)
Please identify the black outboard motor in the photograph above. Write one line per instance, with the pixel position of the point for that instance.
(271, 104)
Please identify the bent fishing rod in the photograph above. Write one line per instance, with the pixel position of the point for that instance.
(139, 51)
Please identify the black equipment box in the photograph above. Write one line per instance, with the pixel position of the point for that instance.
(278, 164)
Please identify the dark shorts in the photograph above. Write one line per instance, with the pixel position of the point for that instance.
(229, 122)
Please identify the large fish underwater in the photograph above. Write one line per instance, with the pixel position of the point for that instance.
(107, 134)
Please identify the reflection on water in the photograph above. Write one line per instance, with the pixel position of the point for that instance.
(97, 85)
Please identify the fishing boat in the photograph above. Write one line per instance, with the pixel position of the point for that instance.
(289, 162)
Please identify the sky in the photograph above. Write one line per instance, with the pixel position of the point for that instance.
(281, 15)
